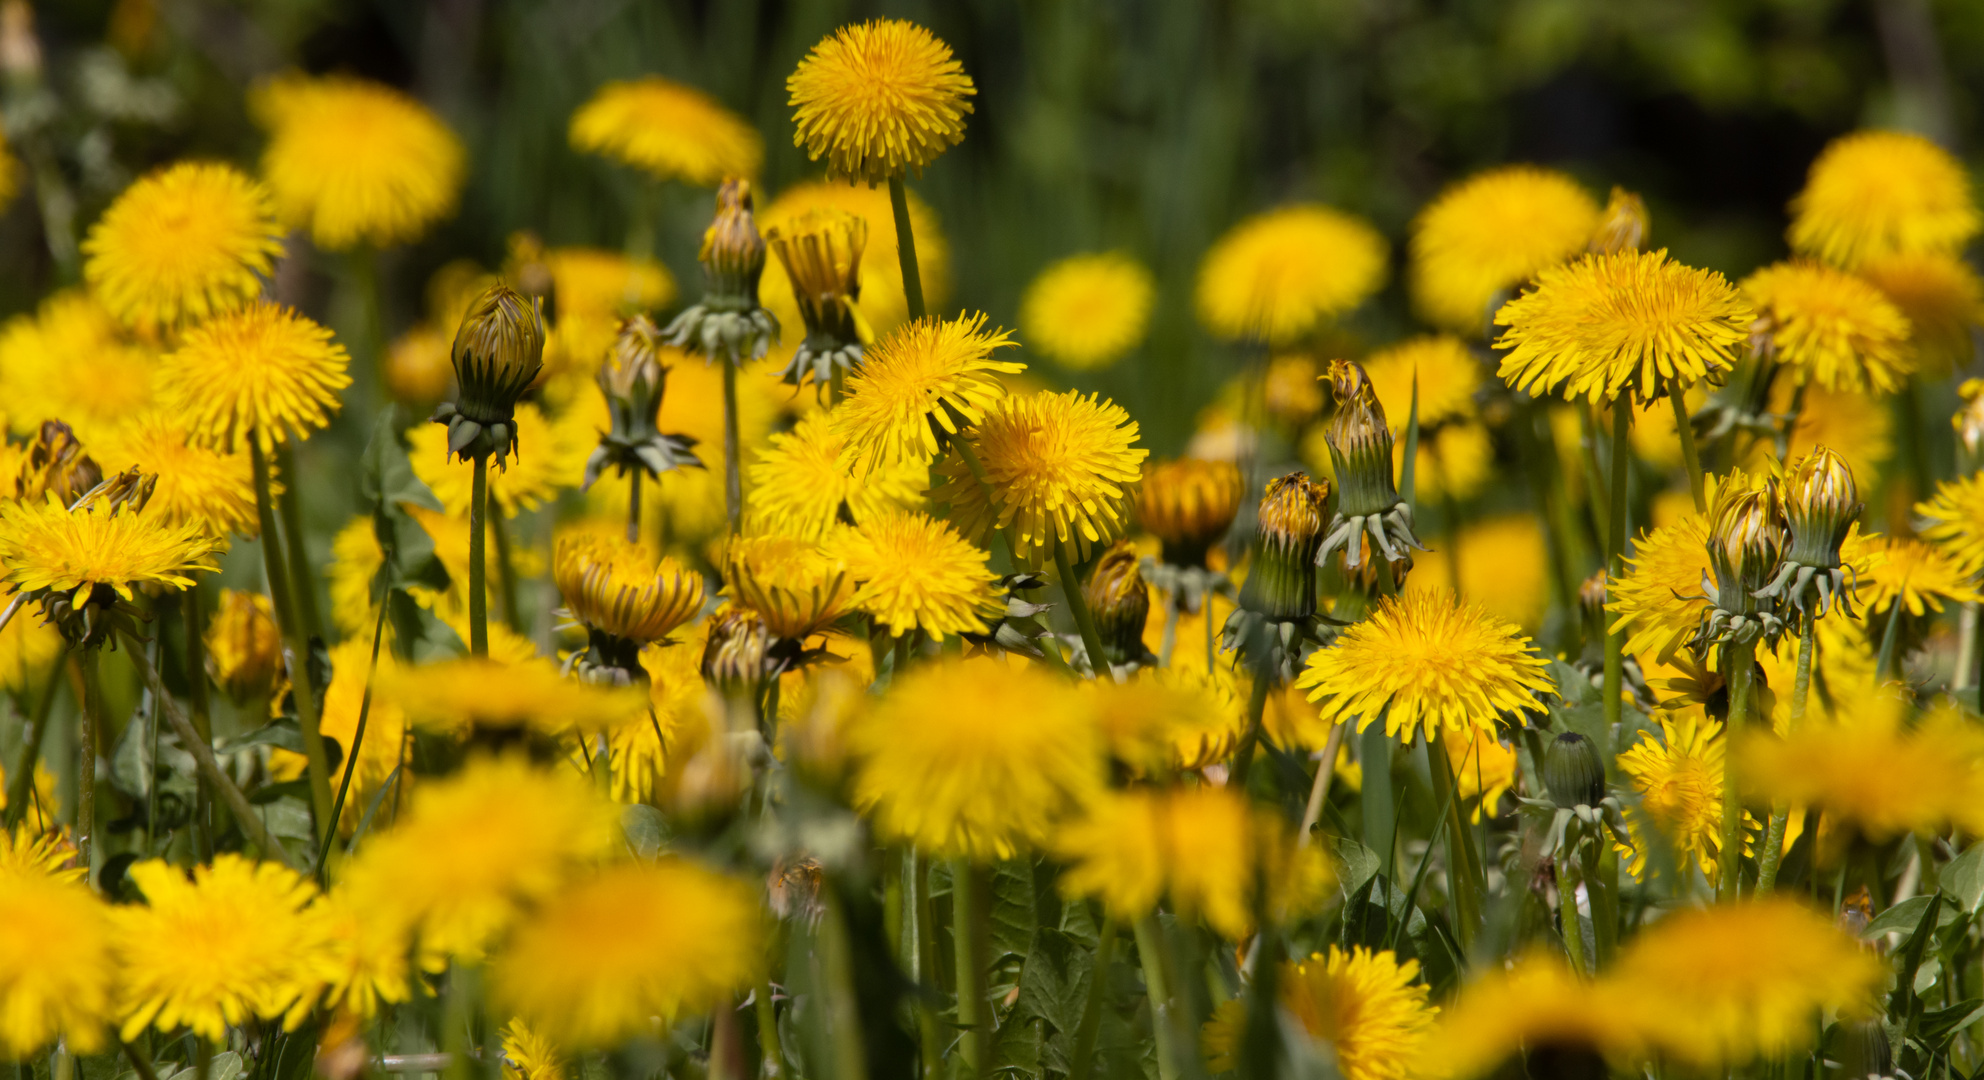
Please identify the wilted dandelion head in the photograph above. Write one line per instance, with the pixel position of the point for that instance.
(264, 372)
(794, 585)
(1088, 311)
(879, 100)
(1490, 233)
(1276, 276)
(1829, 327)
(1875, 193)
(670, 131)
(182, 244)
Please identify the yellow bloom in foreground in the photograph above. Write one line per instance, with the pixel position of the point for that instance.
(1367, 1007)
(1275, 276)
(917, 573)
(1956, 521)
(1659, 600)
(197, 485)
(804, 483)
(473, 849)
(70, 361)
(974, 758)
(1169, 718)
(1874, 775)
(879, 100)
(1679, 780)
(622, 590)
(1725, 984)
(355, 162)
(480, 692)
(1633, 322)
(1447, 373)
(794, 585)
(1875, 193)
(881, 304)
(1942, 298)
(1538, 1005)
(1426, 662)
(264, 370)
(930, 377)
(1492, 232)
(46, 546)
(635, 944)
(670, 130)
(1832, 328)
(1061, 468)
(182, 244)
(1087, 311)
(1919, 576)
(231, 942)
(385, 723)
(56, 968)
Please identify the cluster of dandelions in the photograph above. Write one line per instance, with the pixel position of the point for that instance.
(921, 713)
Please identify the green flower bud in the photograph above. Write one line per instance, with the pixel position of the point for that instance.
(1120, 603)
(1360, 443)
(1281, 584)
(1572, 771)
(498, 353)
(1745, 545)
(1821, 503)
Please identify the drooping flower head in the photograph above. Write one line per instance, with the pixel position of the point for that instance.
(1278, 275)
(355, 162)
(670, 131)
(877, 288)
(1060, 468)
(1629, 323)
(624, 595)
(1875, 193)
(264, 372)
(879, 101)
(920, 386)
(917, 573)
(57, 973)
(1188, 505)
(182, 244)
(793, 585)
(1829, 327)
(1490, 233)
(1087, 311)
(1366, 1008)
(1426, 662)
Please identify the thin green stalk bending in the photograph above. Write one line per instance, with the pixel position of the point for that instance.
(92, 723)
(357, 743)
(309, 620)
(1150, 946)
(1464, 871)
(20, 781)
(1780, 818)
(1738, 664)
(733, 477)
(478, 574)
(912, 278)
(968, 938)
(1071, 588)
(1684, 426)
(1615, 552)
(317, 763)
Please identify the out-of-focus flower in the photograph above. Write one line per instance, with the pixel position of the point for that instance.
(1919, 577)
(669, 130)
(879, 100)
(1955, 517)
(1504, 566)
(1567, 1025)
(1087, 311)
(459, 696)
(182, 244)
(1942, 298)
(263, 371)
(1875, 193)
(1829, 327)
(70, 361)
(1874, 774)
(1277, 275)
(57, 972)
(1188, 505)
(1490, 233)
(244, 647)
(196, 484)
(1446, 372)
(1367, 1008)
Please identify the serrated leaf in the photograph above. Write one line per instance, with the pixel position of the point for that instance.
(1963, 878)
(1356, 865)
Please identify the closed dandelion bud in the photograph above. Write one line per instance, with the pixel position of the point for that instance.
(244, 647)
(1281, 583)
(728, 323)
(1745, 545)
(1821, 503)
(1623, 226)
(734, 659)
(498, 352)
(632, 380)
(128, 491)
(1572, 771)
(1360, 443)
(56, 463)
(1188, 505)
(1120, 601)
(821, 252)
(1969, 424)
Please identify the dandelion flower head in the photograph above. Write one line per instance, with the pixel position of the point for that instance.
(1535, 1004)
(881, 304)
(671, 131)
(483, 692)
(795, 586)
(879, 100)
(1942, 299)
(1875, 193)
(1955, 518)
(1447, 373)
(1917, 575)
(621, 589)
(1679, 780)
(197, 484)
(1368, 1007)
(264, 371)
(1874, 774)
(915, 572)
(803, 483)
(182, 244)
(1168, 718)
(932, 378)
(1277, 275)
(1087, 311)
(1490, 233)
(69, 360)
(47, 547)
(1830, 327)
(56, 966)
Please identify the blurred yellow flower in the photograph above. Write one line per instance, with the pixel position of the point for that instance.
(1490, 233)
(1504, 566)
(1876, 775)
(1955, 517)
(669, 130)
(1942, 298)
(1086, 311)
(1917, 575)
(1448, 374)
(244, 647)
(1829, 327)
(1168, 718)
(184, 243)
(196, 484)
(1367, 1009)
(528, 1055)
(57, 972)
(1875, 193)
(878, 100)
(419, 370)
(597, 283)
(1534, 1004)
(385, 725)
(69, 361)
(264, 371)
(1484, 769)
(1279, 274)
(458, 696)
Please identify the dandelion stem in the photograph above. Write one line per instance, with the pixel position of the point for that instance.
(458, 1012)
(1319, 791)
(506, 572)
(1615, 551)
(1571, 922)
(1690, 457)
(1090, 1026)
(277, 570)
(1157, 985)
(633, 506)
(196, 685)
(1467, 885)
(1738, 664)
(21, 781)
(1884, 666)
(310, 623)
(357, 742)
(92, 724)
(138, 1063)
(912, 277)
(1780, 818)
(733, 480)
(768, 1046)
(1243, 755)
(968, 939)
(1071, 588)
(842, 1019)
(478, 596)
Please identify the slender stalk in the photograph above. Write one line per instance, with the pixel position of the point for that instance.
(1572, 923)
(1780, 818)
(1170, 640)
(299, 664)
(372, 323)
(968, 939)
(92, 726)
(1601, 882)
(1071, 588)
(196, 685)
(138, 1063)
(1081, 1063)
(1615, 552)
(1966, 651)
(634, 506)
(1212, 650)
(506, 571)
(733, 477)
(1738, 662)
(1243, 755)
(921, 943)
(478, 573)
(768, 1043)
(310, 621)
(1684, 426)
(1157, 985)
(151, 768)
(1379, 807)
(458, 1008)
(357, 743)
(1464, 872)
(850, 1058)
(21, 782)
(1884, 666)
(912, 279)
(1319, 791)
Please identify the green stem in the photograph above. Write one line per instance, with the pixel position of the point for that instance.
(768, 1046)
(478, 574)
(196, 683)
(1601, 883)
(1738, 663)
(457, 1015)
(733, 477)
(299, 647)
(634, 505)
(912, 279)
(1319, 788)
(850, 1058)
(1570, 921)
(922, 944)
(1090, 1026)
(1684, 426)
(1884, 667)
(92, 724)
(357, 743)
(1780, 818)
(1380, 810)
(303, 583)
(968, 939)
(1071, 588)
(372, 325)
(506, 571)
(1157, 985)
(1615, 551)
(1170, 632)
(1243, 755)
(21, 784)
(1465, 874)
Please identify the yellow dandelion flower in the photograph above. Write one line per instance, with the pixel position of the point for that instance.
(385, 723)
(1277, 275)
(803, 484)
(1292, 389)
(1166, 719)
(182, 244)
(1876, 774)
(1504, 566)
(56, 966)
(1659, 601)
(244, 647)
(1490, 233)
(355, 561)
(552, 460)
(606, 958)
(594, 282)
(1875, 193)
(669, 130)
(1195, 638)
(1955, 517)
(528, 1055)
(678, 703)
(1188, 505)
(1634, 322)
(974, 758)
(472, 850)
(204, 952)
(1447, 371)
(482, 692)
(1425, 661)
(879, 101)
(1061, 468)
(1719, 986)
(878, 280)
(69, 361)
(1367, 1007)
(1534, 1004)
(355, 162)
(367, 953)
(1087, 311)
(1830, 327)
(916, 572)
(622, 589)
(1840, 421)
(420, 372)
(1942, 299)
(1455, 462)
(197, 485)
(27, 648)
(929, 380)
(46, 547)
(796, 586)
(1917, 575)
(264, 370)
(1679, 780)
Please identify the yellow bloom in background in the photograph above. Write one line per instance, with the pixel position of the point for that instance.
(367, 962)
(917, 573)
(1634, 322)
(1875, 193)
(470, 851)
(1942, 299)
(1425, 661)
(419, 370)
(1504, 566)
(1720, 986)
(551, 459)
(1168, 718)
(794, 585)
(1658, 602)
(636, 943)
(932, 376)
(1292, 388)
(231, 942)
(1087, 311)
(39, 849)
(197, 485)
(528, 1055)
(181, 244)
(881, 304)
(1830, 327)
(1367, 1008)
(1679, 780)
(1196, 636)
(679, 702)
(1449, 376)
(597, 283)
(482, 692)
(1537, 1004)
(1843, 687)
(27, 648)
(804, 482)
(355, 162)
(1873, 774)
(1921, 577)
(1484, 769)
(974, 758)
(1955, 516)
(1656, 441)
(385, 724)
(1490, 233)
(671, 131)
(1842, 421)
(46, 546)
(622, 589)
(1278, 275)
(1061, 468)
(264, 369)
(244, 647)
(1456, 462)
(879, 101)
(70, 361)
(56, 969)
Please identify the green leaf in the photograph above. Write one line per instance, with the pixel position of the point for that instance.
(288, 819)
(1900, 918)
(1903, 1002)
(281, 733)
(387, 474)
(647, 833)
(1356, 865)
(1938, 1026)
(1963, 879)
